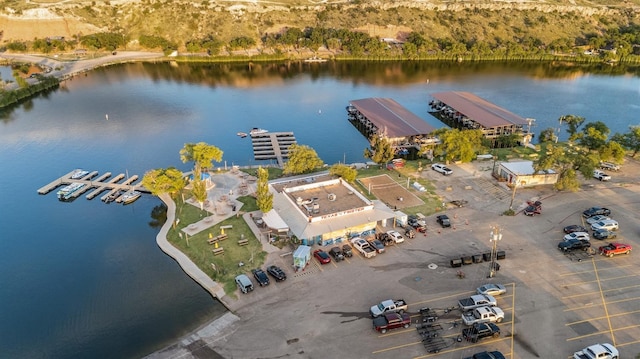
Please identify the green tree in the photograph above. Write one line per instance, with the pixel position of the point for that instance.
(573, 122)
(199, 191)
(509, 141)
(460, 145)
(302, 159)
(629, 140)
(201, 154)
(594, 135)
(565, 162)
(380, 150)
(164, 180)
(548, 135)
(264, 198)
(343, 171)
(612, 151)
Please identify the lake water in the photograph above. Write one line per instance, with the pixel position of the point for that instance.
(86, 279)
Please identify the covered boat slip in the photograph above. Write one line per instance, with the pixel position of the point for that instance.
(468, 111)
(384, 116)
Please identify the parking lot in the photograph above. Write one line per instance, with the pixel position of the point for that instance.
(555, 303)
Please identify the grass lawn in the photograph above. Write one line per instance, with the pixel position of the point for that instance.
(224, 267)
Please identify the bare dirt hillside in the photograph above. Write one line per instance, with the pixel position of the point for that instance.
(41, 23)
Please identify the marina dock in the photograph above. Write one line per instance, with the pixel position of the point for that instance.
(99, 185)
(272, 146)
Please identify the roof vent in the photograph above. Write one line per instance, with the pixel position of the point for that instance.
(331, 196)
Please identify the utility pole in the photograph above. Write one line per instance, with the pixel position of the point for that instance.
(494, 237)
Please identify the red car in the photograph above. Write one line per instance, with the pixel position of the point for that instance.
(322, 256)
(615, 248)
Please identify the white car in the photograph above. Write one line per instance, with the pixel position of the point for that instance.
(601, 175)
(583, 236)
(491, 289)
(608, 224)
(439, 167)
(598, 218)
(397, 237)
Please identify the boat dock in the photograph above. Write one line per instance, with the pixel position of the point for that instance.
(272, 146)
(100, 184)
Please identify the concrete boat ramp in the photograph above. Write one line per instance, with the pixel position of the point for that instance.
(114, 186)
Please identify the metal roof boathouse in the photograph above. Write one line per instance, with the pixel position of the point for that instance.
(465, 110)
(384, 116)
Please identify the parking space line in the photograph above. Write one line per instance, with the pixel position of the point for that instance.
(604, 302)
(603, 332)
(604, 291)
(395, 347)
(591, 305)
(395, 332)
(590, 271)
(603, 317)
(629, 343)
(513, 315)
(598, 280)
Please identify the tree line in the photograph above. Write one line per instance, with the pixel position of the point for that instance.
(618, 44)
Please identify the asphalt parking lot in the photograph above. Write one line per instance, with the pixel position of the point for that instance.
(555, 303)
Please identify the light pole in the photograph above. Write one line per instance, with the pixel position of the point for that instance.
(494, 237)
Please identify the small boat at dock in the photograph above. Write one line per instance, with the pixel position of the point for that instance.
(130, 196)
(257, 131)
(67, 192)
(242, 134)
(78, 174)
(315, 59)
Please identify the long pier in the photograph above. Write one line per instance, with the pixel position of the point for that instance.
(272, 145)
(100, 184)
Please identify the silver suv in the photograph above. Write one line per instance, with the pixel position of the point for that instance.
(244, 283)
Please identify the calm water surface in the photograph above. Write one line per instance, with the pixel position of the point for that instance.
(86, 279)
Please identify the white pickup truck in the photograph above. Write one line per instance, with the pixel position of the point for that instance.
(475, 301)
(482, 315)
(363, 247)
(597, 351)
(388, 306)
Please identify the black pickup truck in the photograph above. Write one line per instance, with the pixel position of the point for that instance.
(480, 330)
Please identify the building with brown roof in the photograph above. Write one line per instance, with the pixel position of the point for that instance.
(465, 110)
(386, 117)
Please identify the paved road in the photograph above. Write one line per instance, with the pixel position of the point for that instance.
(555, 304)
(65, 69)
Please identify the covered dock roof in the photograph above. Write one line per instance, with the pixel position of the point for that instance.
(392, 118)
(479, 110)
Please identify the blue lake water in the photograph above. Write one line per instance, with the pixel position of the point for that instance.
(86, 279)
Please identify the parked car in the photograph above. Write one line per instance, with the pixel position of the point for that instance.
(584, 236)
(601, 175)
(377, 245)
(533, 208)
(574, 244)
(444, 220)
(391, 321)
(597, 218)
(491, 289)
(409, 233)
(385, 239)
(244, 283)
(574, 228)
(440, 168)
(594, 211)
(604, 234)
(260, 276)
(487, 355)
(609, 166)
(613, 249)
(397, 237)
(277, 273)
(347, 251)
(609, 224)
(479, 331)
(322, 256)
(597, 351)
(336, 253)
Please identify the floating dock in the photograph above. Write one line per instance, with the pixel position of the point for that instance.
(100, 184)
(272, 146)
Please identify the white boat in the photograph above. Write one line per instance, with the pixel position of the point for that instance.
(315, 59)
(66, 192)
(130, 196)
(77, 174)
(256, 131)
(242, 134)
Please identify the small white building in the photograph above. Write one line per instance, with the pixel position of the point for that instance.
(522, 174)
